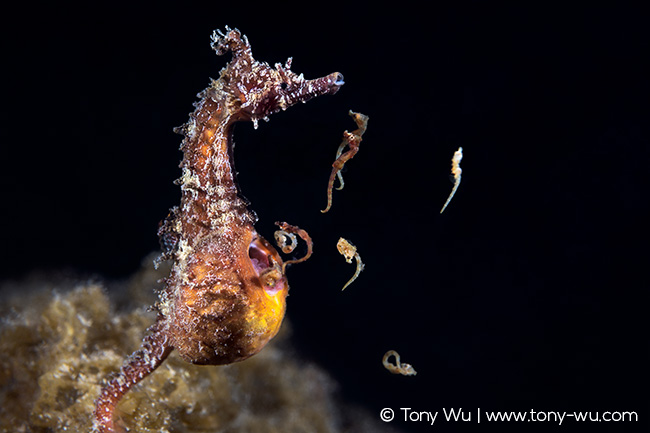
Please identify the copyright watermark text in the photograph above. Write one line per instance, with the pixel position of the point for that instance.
(479, 415)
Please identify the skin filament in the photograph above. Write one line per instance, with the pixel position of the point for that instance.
(397, 368)
(349, 251)
(456, 171)
(352, 140)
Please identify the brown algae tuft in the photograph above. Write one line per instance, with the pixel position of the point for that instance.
(59, 346)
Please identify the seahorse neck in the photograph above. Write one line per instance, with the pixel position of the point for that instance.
(210, 194)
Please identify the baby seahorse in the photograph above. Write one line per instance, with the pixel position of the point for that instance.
(352, 140)
(225, 296)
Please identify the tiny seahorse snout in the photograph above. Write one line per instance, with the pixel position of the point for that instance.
(338, 79)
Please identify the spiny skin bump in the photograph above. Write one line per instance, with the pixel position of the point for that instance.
(225, 296)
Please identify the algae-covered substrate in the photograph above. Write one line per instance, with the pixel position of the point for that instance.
(60, 341)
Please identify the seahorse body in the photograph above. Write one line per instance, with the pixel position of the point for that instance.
(225, 296)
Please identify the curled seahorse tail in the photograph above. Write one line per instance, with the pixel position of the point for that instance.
(154, 350)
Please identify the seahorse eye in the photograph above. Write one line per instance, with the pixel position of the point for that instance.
(284, 85)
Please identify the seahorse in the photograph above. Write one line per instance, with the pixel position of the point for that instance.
(225, 296)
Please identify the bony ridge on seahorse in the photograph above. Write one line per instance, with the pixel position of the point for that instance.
(225, 296)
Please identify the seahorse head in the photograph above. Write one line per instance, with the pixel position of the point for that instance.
(255, 90)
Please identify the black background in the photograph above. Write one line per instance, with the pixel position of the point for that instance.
(529, 292)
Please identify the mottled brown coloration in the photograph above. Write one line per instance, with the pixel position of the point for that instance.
(349, 251)
(291, 232)
(352, 140)
(225, 296)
